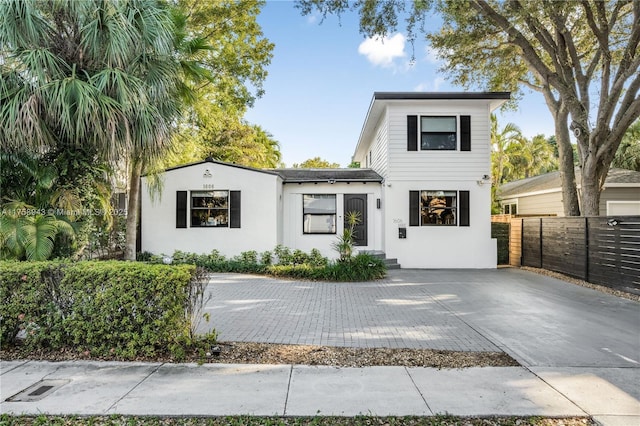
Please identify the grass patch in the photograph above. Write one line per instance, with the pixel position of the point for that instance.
(439, 420)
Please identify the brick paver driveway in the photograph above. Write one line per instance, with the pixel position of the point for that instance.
(536, 319)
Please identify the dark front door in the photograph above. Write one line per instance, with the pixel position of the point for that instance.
(357, 203)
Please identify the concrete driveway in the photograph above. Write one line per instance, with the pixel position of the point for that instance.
(538, 320)
(583, 344)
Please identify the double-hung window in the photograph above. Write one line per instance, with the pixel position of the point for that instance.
(319, 213)
(209, 209)
(438, 133)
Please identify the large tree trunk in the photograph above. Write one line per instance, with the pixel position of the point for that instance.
(560, 113)
(567, 168)
(590, 184)
(132, 210)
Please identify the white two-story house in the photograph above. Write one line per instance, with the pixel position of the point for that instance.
(423, 192)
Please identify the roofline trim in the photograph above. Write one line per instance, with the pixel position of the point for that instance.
(222, 163)
(285, 181)
(440, 95)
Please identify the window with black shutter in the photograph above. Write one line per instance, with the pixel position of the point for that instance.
(464, 208)
(465, 133)
(438, 208)
(414, 208)
(438, 133)
(412, 133)
(181, 209)
(234, 209)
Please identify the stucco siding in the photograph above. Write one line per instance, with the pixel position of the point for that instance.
(258, 214)
(294, 236)
(440, 246)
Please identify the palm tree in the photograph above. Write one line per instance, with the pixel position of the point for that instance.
(29, 223)
(501, 140)
(96, 73)
(530, 157)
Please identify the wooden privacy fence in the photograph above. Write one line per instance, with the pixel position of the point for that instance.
(601, 250)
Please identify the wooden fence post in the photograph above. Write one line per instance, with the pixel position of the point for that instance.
(587, 254)
(541, 251)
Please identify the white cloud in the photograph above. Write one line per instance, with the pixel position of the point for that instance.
(433, 86)
(382, 51)
(422, 87)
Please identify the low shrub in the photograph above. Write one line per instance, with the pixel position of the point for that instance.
(361, 267)
(118, 309)
(288, 264)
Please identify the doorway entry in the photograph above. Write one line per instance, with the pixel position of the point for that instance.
(357, 203)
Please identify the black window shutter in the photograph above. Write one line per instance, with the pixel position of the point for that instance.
(234, 209)
(464, 208)
(181, 209)
(465, 133)
(412, 132)
(414, 208)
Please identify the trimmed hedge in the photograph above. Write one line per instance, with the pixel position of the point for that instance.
(121, 309)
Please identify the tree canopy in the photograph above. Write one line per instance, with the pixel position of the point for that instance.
(117, 78)
(582, 55)
(316, 163)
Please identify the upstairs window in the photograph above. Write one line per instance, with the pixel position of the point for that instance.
(438, 133)
(210, 209)
(319, 213)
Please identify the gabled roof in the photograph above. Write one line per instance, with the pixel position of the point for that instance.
(552, 182)
(211, 161)
(327, 175)
(381, 99)
(301, 175)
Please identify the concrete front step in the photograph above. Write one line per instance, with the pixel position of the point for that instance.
(390, 263)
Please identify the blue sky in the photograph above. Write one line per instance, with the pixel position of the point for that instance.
(323, 75)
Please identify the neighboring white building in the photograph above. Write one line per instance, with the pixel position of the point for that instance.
(423, 192)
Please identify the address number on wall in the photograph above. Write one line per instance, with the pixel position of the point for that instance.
(207, 186)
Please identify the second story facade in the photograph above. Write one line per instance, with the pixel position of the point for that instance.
(433, 151)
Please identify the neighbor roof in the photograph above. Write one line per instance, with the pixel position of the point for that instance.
(551, 181)
(326, 175)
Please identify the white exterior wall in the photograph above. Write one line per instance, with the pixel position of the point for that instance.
(295, 238)
(380, 148)
(439, 165)
(440, 246)
(260, 204)
(404, 171)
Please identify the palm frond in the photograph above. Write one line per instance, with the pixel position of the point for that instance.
(37, 237)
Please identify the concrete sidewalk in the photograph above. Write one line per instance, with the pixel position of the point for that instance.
(104, 388)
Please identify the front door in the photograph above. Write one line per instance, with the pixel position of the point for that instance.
(357, 203)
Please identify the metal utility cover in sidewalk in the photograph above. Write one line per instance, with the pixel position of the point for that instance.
(38, 391)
